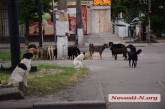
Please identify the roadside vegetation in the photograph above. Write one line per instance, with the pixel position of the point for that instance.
(49, 78)
(4, 55)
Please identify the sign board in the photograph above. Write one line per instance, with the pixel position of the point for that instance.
(101, 2)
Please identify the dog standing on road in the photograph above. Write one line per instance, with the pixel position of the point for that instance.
(133, 55)
(118, 49)
(99, 48)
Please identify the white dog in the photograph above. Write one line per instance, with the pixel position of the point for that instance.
(78, 61)
(21, 71)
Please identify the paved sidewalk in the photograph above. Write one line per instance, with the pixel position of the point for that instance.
(101, 38)
(96, 38)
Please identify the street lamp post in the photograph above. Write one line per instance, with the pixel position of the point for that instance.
(79, 25)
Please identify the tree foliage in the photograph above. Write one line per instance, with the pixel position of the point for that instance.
(28, 9)
(132, 9)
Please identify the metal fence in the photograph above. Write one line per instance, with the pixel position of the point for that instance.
(4, 27)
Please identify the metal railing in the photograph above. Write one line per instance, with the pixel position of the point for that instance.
(4, 27)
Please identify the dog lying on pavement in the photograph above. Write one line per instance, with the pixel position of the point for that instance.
(21, 71)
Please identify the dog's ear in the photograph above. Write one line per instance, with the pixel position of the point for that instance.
(105, 45)
(110, 43)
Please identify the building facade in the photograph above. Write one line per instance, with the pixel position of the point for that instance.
(96, 18)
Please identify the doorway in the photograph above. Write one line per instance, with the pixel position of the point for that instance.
(101, 21)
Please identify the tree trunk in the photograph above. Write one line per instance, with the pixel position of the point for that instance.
(14, 33)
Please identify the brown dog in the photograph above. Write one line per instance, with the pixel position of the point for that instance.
(97, 48)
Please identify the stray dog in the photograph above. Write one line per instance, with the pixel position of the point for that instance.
(73, 51)
(21, 71)
(42, 53)
(32, 48)
(118, 49)
(78, 61)
(133, 55)
(99, 48)
(55, 52)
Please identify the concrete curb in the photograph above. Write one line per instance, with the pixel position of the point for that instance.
(71, 105)
(10, 93)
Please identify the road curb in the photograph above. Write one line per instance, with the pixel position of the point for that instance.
(71, 105)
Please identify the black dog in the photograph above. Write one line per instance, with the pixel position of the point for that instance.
(133, 55)
(118, 49)
(99, 48)
(73, 51)
(55, 52)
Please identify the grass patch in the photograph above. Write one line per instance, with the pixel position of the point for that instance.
(51, 78)
(5, 55)
(4, 75)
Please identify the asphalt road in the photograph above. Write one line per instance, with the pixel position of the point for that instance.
(108, 76)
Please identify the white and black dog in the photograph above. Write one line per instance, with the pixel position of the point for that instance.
(78, 61)
(21, 71)
(133, 55)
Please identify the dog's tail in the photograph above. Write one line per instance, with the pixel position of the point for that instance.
(138, 51)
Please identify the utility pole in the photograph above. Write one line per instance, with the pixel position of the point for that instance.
(79, 25)
(148, 36)
(62, 27)
(54, 21)
(14, 33)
